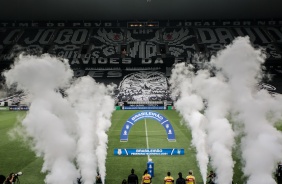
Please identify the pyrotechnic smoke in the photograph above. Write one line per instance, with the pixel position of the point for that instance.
(93, 107)
(81, 96)
(262, 143)
(64, 130)
(219, 130)
(47, 122)
(106, 105)
(189, 106)
(232, 90)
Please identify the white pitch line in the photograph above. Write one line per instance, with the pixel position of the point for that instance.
(147, 141)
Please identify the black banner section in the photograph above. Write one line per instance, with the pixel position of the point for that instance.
(139, 54)
(141, 24)
(103, 45)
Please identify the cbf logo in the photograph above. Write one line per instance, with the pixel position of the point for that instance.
(125, 132)
(178, 151)
(119, 151)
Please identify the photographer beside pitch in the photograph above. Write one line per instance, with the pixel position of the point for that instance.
(10, 179)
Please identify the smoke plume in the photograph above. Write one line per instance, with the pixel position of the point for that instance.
(189, 106)
(219, 131)
(65, 131)
(93, 107)
(262, 143)
(232, 90)
(47, 121)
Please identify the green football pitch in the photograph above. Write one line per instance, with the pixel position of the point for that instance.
(16, 156)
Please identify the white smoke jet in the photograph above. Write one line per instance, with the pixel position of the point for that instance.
(104, 123)
(189, 104)
(262, 143)
(64, 130)
(82, 96)
(49, 121)
(91, 101)
(220, 134)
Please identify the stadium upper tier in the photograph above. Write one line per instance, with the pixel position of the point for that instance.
(91, 43)
(111, 51)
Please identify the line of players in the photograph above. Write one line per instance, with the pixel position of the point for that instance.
(147, 179)
(190, 179)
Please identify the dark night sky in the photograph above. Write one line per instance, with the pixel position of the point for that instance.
(138, 9)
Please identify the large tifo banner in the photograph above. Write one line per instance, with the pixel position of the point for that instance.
(97, 44)
(149, 151)
(95, 48)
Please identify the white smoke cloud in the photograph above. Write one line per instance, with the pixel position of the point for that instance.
(104, 123)
(47, 121)
(219, 131)
(94, 107)
(64, 131)
(262, 143)
(40, 73)
(233, 89)
(189, 106)
(83, 99)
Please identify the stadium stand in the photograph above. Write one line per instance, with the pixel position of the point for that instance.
(96, 49)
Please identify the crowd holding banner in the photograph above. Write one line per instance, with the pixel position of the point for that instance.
(94, 47)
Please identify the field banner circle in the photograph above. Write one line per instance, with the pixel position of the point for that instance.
(150, 115)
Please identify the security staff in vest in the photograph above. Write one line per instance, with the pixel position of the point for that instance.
(132, 178)
(146, 178)
(168, 179)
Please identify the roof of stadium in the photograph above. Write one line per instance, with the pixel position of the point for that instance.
(139, 9)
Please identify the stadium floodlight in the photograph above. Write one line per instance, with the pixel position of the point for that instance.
(142, 24)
